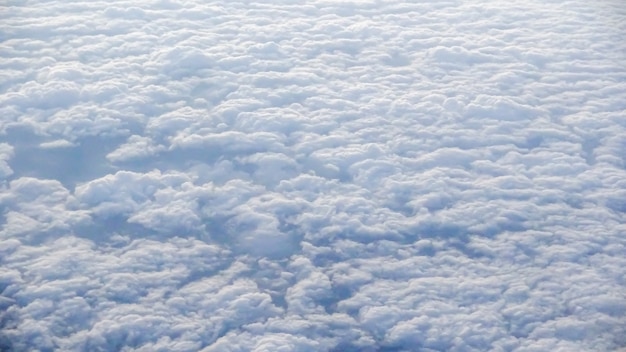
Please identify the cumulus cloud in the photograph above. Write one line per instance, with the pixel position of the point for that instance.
(6, 153)
(328, 176)
(136, 147)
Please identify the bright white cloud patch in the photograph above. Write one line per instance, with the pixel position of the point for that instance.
(320, 176)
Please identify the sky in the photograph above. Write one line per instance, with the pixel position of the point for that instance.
(319, 175)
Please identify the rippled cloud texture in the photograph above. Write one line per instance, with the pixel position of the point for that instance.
(313, 176)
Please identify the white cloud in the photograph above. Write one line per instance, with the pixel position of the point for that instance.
(136, 147)
(335, 175)
(59, 143)
(6, 153)
(36, 208)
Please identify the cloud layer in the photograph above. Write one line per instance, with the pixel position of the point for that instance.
(323, 176)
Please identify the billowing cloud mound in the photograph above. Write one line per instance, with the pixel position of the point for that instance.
(315, 176)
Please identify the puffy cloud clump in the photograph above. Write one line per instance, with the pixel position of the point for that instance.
(6, 153)
(323, 176)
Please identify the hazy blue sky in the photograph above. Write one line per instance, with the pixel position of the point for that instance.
(313, 175)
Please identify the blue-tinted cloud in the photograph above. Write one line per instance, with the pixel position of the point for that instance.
(335, 175)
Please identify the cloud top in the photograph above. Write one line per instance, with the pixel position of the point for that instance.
(328, 176)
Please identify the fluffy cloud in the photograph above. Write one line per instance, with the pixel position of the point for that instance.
(334, 175)
(6, 153)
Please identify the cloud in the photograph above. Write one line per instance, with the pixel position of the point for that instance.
(137, 147)
(328, 176)
(6, 153)
(34, 209)
(59, 143)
